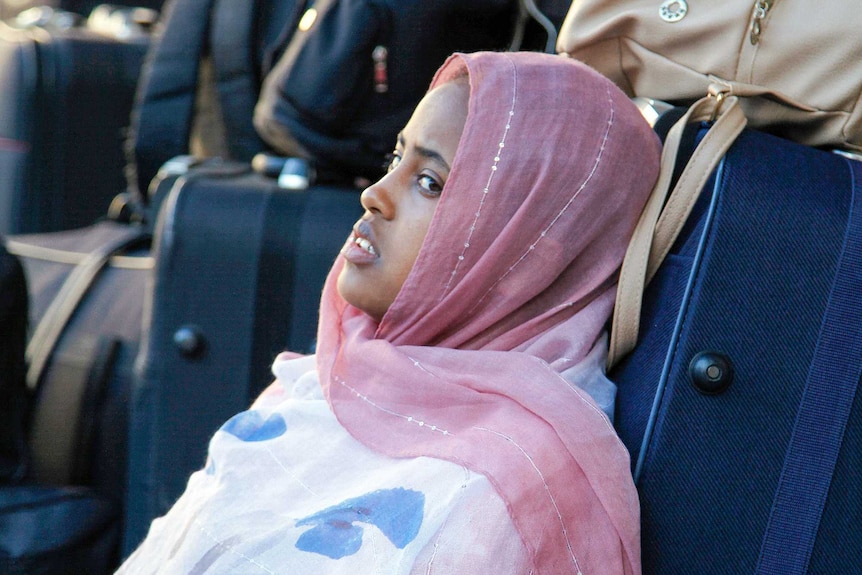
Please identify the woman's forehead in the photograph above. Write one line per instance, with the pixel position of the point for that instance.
(439, 119)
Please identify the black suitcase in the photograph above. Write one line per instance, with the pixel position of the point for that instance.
(13, 337)
(65, 104)
(240, 263)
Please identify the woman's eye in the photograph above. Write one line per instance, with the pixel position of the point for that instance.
(392, 161)
(430, 184)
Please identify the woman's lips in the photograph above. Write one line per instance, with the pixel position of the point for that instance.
(359, 248)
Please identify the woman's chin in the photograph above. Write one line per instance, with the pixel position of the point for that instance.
(357, 291)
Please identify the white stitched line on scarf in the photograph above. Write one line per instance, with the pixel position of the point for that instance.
(487, 187)
(580, 394)
(375, 552)
(544, 232)
(446, 522)
(408, 418)
(547, 490)
(421, 367)
(231, 549)
(289, 472)
(436, 549)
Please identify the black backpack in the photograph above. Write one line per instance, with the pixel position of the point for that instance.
(353, 71)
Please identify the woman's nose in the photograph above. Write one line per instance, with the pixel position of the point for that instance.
(378, 197)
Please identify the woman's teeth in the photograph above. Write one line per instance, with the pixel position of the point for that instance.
(365, 245)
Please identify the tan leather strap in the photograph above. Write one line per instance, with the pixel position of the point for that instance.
(661, 221)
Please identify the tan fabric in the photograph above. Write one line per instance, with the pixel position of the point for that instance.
(804, 68)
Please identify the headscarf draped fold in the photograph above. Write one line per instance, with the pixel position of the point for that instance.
(513, 286)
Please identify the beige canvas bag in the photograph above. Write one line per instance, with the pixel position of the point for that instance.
(789, 67)
(797, 63)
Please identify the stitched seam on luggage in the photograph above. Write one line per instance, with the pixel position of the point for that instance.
(829, 449)
(681, 317)
(629, 87)
(769, 14)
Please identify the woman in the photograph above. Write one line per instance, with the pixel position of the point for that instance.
(443, 426)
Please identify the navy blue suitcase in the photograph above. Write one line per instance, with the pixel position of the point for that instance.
(240, 264)
(65, 105)
(737, 404)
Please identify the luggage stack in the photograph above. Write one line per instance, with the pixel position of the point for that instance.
(150, 327)
(266, 232)
(86, 281)
(154, 320)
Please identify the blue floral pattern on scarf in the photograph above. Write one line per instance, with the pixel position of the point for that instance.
(396, 512)
(251, 426)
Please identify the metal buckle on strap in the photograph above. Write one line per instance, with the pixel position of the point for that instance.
(720, 92)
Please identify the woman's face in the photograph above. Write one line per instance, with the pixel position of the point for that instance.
(380, 252)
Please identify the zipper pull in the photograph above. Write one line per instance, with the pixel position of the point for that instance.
(381, 75)
(761, 7)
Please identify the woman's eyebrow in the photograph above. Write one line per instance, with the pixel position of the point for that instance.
(432, 155)
(425, 152)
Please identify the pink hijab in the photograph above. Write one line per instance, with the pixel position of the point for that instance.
(513, 285)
